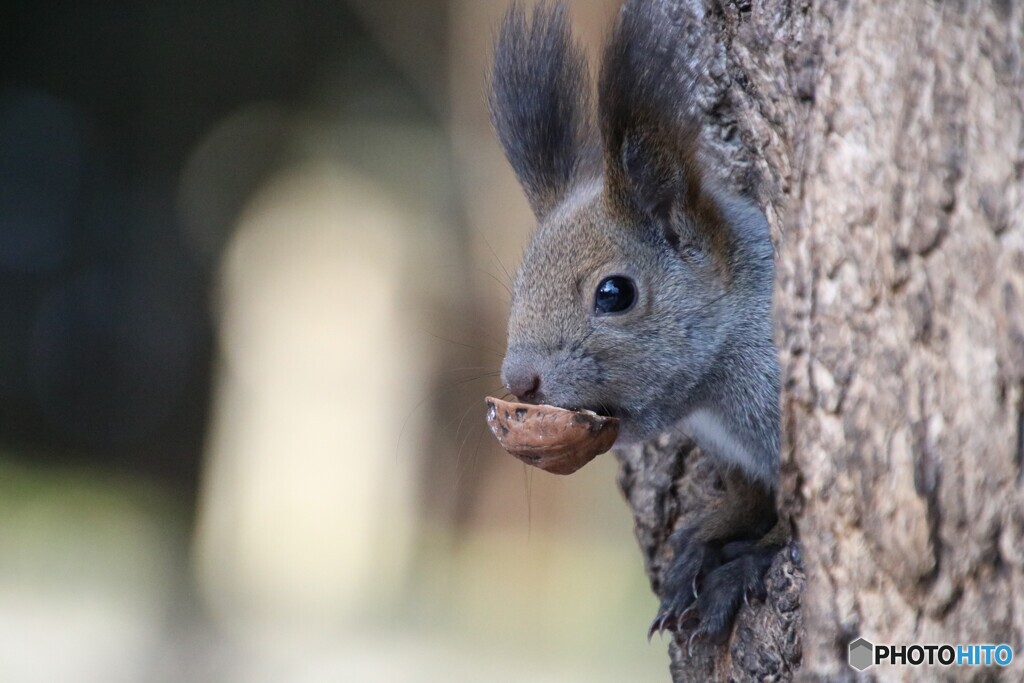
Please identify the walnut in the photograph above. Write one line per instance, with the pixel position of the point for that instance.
(554, 439)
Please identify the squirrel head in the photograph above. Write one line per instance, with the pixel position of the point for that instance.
(640, 271)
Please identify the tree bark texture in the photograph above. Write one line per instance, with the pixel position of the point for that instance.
(885, 141)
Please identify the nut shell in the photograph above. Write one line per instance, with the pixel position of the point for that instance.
(554, 439)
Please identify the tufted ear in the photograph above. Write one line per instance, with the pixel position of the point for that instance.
(652, 165)
(540, 104)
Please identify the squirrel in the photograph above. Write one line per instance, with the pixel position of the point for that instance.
(645, 292)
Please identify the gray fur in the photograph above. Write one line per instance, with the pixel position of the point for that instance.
(696, 352)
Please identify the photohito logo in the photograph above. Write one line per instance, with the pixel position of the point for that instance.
(863, 654)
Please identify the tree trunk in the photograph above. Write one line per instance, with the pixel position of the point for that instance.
(885, 141)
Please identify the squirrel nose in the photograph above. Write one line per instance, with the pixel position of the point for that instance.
(525, 384)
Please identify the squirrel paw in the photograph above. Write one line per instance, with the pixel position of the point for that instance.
(679, 586)
(706, 584)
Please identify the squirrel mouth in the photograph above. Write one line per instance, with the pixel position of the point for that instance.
(602, 410)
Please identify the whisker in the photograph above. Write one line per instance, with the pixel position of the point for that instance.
(458, 460)
(471, 367)
(433, 395)
(458, 455)
(495, 255)
(476, 447)
(481, 329)
(463, 418)
(495, 278)
(528, 481)
(465, 346)
(481, 270)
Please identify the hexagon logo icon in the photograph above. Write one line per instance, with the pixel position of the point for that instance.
(862, 654)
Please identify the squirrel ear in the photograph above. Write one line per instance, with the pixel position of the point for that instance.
(651, 146)
(649, 171)
(540, 104)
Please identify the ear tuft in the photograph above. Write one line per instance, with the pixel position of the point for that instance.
(540, 104)
(651, 144)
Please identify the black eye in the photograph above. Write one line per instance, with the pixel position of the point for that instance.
(614, 295)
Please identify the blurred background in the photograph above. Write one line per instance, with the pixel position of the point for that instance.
(254, 271)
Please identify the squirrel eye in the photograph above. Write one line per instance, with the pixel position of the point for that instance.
(614, 294)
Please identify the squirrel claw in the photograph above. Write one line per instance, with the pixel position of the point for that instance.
(684, 616)
(657, 626)
(689, 643)
(668, 620)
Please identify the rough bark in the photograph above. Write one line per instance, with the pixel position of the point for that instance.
(665, 482)
(885, 141)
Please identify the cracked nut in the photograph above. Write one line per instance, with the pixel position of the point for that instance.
(554, 439)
